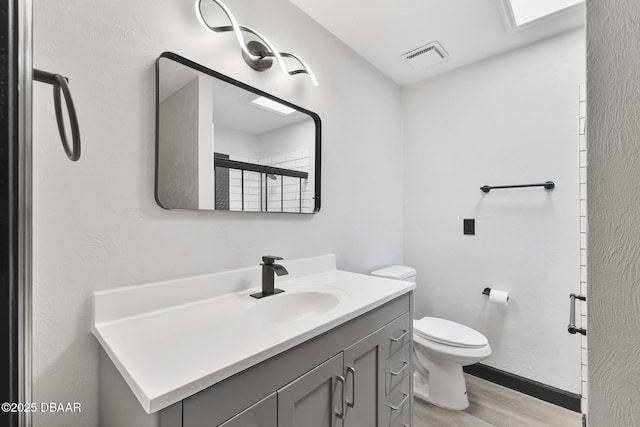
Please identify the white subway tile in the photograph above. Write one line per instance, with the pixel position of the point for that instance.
(294, 155)
(583, 142)
(583, 224)
(582, 92)
(583, 240)
(585, 371)
(583, 175)
(303, 162)
(582, 109)
(583, 208)
(583, 126)
(583, 159)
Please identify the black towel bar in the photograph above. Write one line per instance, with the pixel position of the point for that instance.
(549, 185)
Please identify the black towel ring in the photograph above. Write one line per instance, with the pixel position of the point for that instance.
(60, 83)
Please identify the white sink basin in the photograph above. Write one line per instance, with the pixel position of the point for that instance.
(296, 304)
(172, 339)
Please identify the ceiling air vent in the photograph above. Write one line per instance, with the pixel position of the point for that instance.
(426, 56)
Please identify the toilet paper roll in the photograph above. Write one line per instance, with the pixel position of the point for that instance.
(499, 297)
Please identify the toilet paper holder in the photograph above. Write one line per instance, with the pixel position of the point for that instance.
(486, 291)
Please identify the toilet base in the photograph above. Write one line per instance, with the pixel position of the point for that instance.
(443, 385)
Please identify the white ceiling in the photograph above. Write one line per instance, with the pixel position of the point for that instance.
(468, 30)
(232, 106)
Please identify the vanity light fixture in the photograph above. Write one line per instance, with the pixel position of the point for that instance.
(272, 105)
(258, 54)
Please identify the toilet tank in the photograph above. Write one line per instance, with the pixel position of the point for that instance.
(397, 272)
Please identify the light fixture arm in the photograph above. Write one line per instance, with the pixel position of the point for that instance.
(257, 54)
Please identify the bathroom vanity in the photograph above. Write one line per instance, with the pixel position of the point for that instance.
(333, 350)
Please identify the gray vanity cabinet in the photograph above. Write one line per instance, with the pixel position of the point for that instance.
(315, 399)
(357, 374)
(262, 414)
(376, 372)
(364, 377)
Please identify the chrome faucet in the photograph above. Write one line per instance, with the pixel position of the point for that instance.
(268, 270)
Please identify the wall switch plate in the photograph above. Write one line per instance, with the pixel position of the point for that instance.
(469, 226)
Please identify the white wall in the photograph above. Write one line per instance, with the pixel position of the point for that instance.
(96, 224)
(512, 119)
(613, 70)
(235, 142)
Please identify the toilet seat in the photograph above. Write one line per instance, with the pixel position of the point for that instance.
(448, 333)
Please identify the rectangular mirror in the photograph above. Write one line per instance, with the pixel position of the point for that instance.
(223, 145)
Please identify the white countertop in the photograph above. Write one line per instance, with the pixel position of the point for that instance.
(170, 340)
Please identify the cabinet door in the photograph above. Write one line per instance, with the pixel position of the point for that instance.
(316, 399)
(365, 380)
(262, 414)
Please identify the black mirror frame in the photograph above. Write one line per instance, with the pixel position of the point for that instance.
(194, 65)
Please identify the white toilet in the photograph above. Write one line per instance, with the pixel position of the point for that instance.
(441, 348)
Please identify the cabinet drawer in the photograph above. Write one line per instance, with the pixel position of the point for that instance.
(404, 420)
(397, 367)
(398, 401)
(262, 414)
(398, 333)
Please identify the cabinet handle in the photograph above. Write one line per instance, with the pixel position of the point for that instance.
(340, 379)
(352, 371)
(399, 371)
(401, 404)
(572, 314)
(404, 334)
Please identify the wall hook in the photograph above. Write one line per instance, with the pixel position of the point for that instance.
(59, 83)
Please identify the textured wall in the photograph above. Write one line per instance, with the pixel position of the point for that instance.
(96, 224)
(512, 119)
(179, 127)
(613, 85)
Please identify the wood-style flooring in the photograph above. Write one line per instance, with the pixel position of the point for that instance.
(491, 405)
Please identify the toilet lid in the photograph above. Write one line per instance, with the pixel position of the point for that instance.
(449, 333)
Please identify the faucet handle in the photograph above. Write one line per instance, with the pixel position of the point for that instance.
(270, 259)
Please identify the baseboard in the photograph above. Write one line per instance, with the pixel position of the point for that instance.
(524, 385)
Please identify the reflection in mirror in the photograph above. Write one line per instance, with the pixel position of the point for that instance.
(223, 145)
